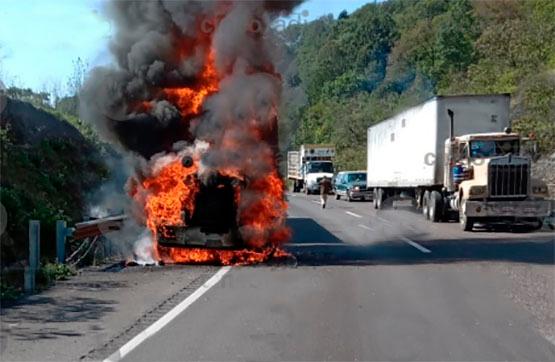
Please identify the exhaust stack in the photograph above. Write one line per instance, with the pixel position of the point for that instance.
(451, 124)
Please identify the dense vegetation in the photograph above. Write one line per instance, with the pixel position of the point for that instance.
(51, 162)
(350, 72)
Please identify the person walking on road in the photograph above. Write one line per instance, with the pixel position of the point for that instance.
(325, 187)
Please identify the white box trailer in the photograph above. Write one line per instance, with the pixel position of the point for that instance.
(456, 156)
(294, 165)
(407, 150)
(318, 152)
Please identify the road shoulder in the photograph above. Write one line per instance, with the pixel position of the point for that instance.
(95, 312)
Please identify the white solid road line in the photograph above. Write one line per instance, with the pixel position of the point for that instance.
(365, 227)
(316, 202)
(416, 245)
(168, 317)
(352, 214)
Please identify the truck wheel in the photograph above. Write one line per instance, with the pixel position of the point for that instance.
(467, 223)
(337, 196)
(379, 199)
(425, 205)
(435, 206)
(537, 225)
(375, 198)
(387, 197)
(349, 198)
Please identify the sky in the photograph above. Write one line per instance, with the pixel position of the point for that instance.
(40, 39)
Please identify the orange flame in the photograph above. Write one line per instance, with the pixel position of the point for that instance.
(189, 100)
(262, 221)
(224, 257)
(172, 189)
(170, 192)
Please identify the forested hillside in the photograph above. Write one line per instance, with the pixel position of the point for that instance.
(51, 163)
(358, 69)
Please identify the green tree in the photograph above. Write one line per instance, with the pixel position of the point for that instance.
(387, 56)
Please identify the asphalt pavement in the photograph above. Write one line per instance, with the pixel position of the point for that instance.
(366, 285)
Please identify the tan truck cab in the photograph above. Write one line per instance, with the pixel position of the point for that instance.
(492, 181)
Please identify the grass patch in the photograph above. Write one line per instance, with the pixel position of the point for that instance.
(50, 272)
(9, 292)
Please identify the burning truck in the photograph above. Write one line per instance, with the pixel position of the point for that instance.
(192, 103)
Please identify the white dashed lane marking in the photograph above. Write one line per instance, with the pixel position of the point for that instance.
(416, 245)
(385, 221)
(365, 227)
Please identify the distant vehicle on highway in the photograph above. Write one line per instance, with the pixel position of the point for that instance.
(307, 167)
(458, 158)
(351, 185)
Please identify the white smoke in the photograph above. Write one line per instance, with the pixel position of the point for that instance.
(143, 250)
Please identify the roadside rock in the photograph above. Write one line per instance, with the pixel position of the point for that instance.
(544, 169)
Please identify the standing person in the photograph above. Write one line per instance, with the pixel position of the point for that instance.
(325, 187)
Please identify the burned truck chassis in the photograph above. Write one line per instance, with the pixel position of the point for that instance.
(213, 223)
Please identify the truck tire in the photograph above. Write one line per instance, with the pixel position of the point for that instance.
(379, 199)
(467, 223)
(375, 198)
(536, 225)
(349, 198)
(435, 207)
(388, 196)
(337, 196)
(425, 205)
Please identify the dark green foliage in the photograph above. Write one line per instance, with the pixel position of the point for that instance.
(47, 181)
(46, 178)
(9, 292)
(41, 99)
(535, 115)
(50, 272)
(361, 68)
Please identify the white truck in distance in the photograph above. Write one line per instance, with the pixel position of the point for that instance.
(456, 157)
(307, 167)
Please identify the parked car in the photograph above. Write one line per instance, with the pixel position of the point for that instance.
(352, 186)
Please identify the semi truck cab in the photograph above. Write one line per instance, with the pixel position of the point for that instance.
(314, 172)
(489, 180)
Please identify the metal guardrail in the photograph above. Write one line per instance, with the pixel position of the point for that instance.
(83, 230)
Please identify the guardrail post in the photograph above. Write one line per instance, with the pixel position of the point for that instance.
(61, 234)
(34, 256)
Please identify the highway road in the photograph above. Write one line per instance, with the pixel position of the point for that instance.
(366, 286)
